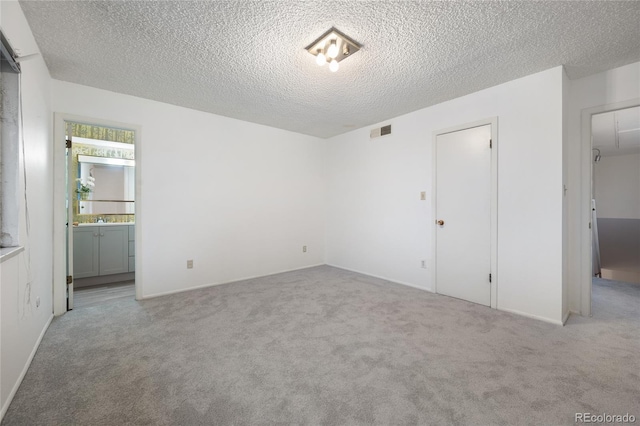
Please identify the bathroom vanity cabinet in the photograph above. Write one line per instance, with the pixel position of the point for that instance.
(102, 249)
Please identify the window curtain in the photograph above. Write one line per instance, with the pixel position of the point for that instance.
(9, 145)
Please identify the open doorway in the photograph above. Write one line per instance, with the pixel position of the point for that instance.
(615, 193)
(97, 181)
(101, 179)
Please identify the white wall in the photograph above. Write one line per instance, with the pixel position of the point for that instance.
(28, 276)
(613, 87)
(617, 186)
(240, 199)
(377, 224)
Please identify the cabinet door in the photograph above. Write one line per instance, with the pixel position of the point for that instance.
(86, 252)
(132, 248)
(114, 249)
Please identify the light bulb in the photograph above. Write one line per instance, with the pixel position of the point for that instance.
(320, 58)
(332, 51)
(333, 65)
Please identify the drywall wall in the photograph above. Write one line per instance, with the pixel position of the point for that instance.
(377, 224)
(25, 286)
(603, 91)
(239, 199)
(617, 186)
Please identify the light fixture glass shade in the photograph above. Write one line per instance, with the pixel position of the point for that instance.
(320, 58)
(332, 51)
(333, 65)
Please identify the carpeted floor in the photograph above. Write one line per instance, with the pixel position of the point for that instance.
(326, 346)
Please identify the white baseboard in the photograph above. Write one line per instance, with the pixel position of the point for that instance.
(182, 290)
(16, 385)
(382, 278)
(536, 317)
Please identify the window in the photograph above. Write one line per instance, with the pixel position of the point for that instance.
(9, 144)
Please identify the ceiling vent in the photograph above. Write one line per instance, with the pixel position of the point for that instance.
(380, 131)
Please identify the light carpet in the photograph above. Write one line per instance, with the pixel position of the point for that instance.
(327, 346)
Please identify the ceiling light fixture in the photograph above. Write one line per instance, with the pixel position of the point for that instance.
(333, 46)
(320, 58)
(332, 51)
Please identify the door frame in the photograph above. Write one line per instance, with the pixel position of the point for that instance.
(586, 264)
(60, 209)
(493, 122)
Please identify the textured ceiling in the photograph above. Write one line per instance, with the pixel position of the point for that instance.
(246, 59)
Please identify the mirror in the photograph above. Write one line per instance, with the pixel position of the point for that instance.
(105, 185)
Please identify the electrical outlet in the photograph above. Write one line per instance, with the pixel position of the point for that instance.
(304, 249)
(423, 264)
(189, 264)
(423, 195)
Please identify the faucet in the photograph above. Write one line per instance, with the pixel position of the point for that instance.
(100, 220)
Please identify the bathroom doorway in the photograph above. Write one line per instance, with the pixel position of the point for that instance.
(101, 200)
(100, 171)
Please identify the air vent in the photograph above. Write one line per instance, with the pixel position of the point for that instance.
(380, 131)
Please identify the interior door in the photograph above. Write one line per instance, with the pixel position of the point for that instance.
(70, 196)
(463, 214)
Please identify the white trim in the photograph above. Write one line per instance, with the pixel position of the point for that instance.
(535, 317)
(18, 382)
(59, 207)
(382, 278)
(7, 253)
(493, 122)
(198, 287)
(59, 216)
(586, 267)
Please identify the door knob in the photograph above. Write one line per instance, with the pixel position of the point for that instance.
(440, 222)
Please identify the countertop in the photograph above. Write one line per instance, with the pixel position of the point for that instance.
(106, 224)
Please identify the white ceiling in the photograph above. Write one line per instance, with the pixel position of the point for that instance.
(246, 59)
